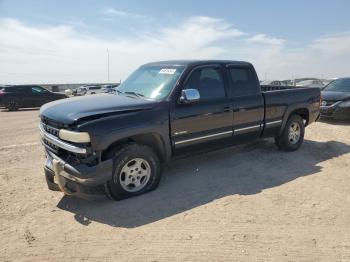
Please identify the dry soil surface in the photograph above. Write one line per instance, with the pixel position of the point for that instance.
(244, 203)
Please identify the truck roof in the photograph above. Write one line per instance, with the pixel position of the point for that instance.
(196, 62)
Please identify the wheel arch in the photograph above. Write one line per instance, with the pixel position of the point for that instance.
(303, 113)
(153, 140)
(301, 110)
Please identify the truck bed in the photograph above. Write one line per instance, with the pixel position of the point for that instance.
(281, 101)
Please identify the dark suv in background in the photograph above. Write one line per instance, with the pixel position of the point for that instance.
(24, 96)
(336, 99)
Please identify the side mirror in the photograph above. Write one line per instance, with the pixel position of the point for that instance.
(189, 96)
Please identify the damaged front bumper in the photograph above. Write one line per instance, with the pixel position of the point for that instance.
(72, 178)
(76, 180)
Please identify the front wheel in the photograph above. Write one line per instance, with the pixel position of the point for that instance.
(136, 171)
(292, 136)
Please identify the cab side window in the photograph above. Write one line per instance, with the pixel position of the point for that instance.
(208, 81)
(243, 81)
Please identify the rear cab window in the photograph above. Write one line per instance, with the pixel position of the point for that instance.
(208, 81)
(243, 81)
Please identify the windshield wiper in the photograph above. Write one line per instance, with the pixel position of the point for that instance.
(133, 93)
(130, 93)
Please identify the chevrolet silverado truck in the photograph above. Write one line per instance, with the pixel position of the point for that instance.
(116, 143)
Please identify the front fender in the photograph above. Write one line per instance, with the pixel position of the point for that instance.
(159, 130)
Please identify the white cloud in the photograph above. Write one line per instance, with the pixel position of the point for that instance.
(61, 54)
(334, 45)
(115, 12)
(264, 39)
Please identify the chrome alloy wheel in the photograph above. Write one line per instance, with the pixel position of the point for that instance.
(294, 133)
(135, 175)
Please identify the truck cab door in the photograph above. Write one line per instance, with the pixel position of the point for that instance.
(207, 119)
(247, 100)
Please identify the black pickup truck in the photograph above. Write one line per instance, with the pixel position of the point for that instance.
(116, 143)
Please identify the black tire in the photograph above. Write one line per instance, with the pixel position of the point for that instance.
(12, 105)
(122, 156)
(285, 141)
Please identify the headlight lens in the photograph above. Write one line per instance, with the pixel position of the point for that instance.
(76, 137)
(345, 104)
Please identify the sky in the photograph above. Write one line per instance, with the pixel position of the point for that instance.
(48, 42)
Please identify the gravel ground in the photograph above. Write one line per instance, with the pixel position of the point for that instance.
(245, 203)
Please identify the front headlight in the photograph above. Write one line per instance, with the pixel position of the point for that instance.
(345, 104)
(75, 137)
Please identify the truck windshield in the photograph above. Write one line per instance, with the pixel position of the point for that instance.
(153, 82)
(339, 85)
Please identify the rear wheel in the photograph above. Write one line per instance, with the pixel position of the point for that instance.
(12, 105)
(292, 136)
(136, 171)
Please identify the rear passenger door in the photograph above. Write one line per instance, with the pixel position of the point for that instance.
(208, 119)
(248, 103)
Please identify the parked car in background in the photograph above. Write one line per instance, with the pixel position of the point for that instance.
(93, 90)
(109, 88)
(336, 99)
(271, 83)
(287, 82)
(24, 96)
(81, 91)
(327, 81)
(310, 83)
(68, 92)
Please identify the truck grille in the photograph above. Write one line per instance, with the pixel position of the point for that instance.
(51, 130)
(52, 147)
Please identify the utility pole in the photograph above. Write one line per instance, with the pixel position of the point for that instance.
(108, 64)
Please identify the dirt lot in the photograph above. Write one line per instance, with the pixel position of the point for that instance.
(247, 203)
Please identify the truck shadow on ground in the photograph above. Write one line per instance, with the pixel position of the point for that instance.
(198, 180)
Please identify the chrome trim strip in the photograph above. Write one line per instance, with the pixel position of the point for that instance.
(274, 122)
(203, 137)
(57, 142)
(246, 128)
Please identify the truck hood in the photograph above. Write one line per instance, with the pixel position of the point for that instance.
(335, 96)
(70, 110)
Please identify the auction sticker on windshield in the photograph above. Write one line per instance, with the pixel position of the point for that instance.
(167, 71)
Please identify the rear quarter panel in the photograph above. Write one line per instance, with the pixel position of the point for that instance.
(280, 104)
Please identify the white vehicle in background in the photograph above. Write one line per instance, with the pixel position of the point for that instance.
(109, 88)
(92, 90)
(81, 91)
(310, 83)
(88, 90)
(68, 92)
